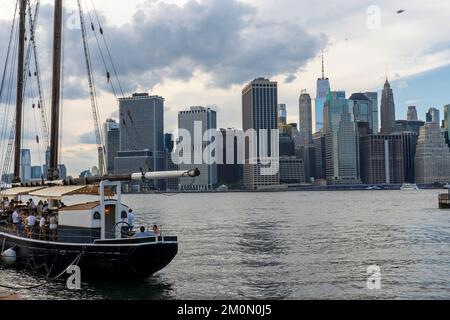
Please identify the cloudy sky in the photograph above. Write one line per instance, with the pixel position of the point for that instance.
(202, 52)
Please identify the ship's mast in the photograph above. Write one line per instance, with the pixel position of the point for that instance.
(20, 85)
(53, 173)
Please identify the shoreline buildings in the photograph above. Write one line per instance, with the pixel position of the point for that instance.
(141, 136)
(432, 160)
(341, 141)
(259, 112)
(198, 121)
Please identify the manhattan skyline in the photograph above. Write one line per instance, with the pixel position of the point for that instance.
(189, 77)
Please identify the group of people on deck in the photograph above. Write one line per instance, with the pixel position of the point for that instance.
(31, 220)
(142, 231)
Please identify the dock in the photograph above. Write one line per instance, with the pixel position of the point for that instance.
(444, 200)
(6, 295)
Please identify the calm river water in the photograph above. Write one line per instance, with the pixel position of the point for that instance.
(293, 245)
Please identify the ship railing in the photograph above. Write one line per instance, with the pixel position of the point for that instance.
(58, 235)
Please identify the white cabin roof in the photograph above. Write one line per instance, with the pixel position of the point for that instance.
(20, 191)
(56, 193)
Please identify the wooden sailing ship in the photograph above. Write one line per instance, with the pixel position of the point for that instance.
(94, 234)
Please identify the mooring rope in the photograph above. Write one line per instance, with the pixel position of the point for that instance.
(76, 261)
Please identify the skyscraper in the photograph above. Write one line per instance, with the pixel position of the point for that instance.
(387, 109)
(341, 141)
(25, 165)
(323, 88)
(363, 111)
(259, 112)
(187, 120)
(373, 97)
(305, 114)
(111, 132)
(320, 155)
(282, 115)
(36, 173)
(306, 142)
(382, 159)
(432, 161)
(229, 173)
(447, 123)
(141, 135)
(433, 115)
(412, 114)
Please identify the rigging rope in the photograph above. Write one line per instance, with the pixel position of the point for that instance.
(76, 261)
(101, 31)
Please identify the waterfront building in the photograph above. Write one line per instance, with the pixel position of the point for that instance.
(206, 119)
(382, 159)
(294, 134)
(95, 171)
(141, 135)
(287, 144)
(412, 114)
(137, 161)
(307, 150)
(320, 155)
(433, 116)
(341, 141)
(229, 171)
(432, 161)
(169, 145)
(409, 140)
(259, 112)
(305, 119)
(85, 174)
(447, 123)
(25, 165)
(373, 97)
(111, 133)
(387, 109)
(363, 111)
(62, 171)
(322, 90)
(408, 126)
(36, 173)
(282, 115)
(291, 170)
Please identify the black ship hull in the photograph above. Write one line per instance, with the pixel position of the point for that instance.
(121, 259)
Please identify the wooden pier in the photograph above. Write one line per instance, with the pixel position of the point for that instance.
(444, 200)
(6, 295)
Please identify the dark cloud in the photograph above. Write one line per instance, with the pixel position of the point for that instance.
(290, 78)
(219, 37)
(88, 138)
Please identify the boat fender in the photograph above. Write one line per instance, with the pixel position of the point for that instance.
(9, 257)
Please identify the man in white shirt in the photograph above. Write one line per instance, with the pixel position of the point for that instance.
(130, 218)
(42, 228)
(31, 220)
(16, 220)
(42, 222)
(32, 205)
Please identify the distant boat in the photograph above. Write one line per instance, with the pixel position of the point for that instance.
(374, 188)
(409, 186)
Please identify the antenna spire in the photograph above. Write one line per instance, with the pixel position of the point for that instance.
(323, 68)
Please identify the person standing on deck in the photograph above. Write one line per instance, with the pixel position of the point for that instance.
(31, 205)
(53, 227)
(130, 219)
(16, 220)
